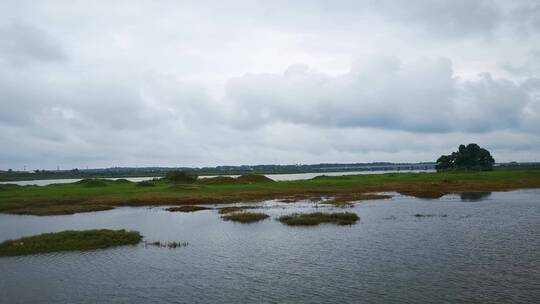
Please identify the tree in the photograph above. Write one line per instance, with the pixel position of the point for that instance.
(470, 157)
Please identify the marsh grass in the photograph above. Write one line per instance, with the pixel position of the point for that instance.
(145, 184)
(92, 182)
(187, 209)
(69, 241)
(245, 217)
(420, 215)
(254, 178)
(347, 200)
(170, 245)
(60, 209)
(122, 181)
(218, 180)
(225, 210)
(313, 219)
(75, 197)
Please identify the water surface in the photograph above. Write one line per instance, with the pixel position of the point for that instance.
(467, 248)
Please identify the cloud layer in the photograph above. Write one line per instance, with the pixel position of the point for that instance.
(255, 82)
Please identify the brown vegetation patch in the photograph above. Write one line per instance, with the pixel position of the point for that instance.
(225, 210)
(348, 199)
(218, 180)
(187, 209)
(423, 193)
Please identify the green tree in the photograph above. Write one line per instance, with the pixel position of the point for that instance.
(470, 157)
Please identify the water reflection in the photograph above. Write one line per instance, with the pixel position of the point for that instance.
(474, 196)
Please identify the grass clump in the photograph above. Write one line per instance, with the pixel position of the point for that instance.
(92, 182)
(420, 215)
(69, 241)
(245, 217)
(253, 179)
(218, 180)
(187, 209)
(225, 210)
(313, 219)
(181, 177)
(170, 245)
(122, 181)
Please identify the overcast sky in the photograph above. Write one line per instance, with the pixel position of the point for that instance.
(196, 83)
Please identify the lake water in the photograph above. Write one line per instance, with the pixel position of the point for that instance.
(474, 248)
(276, 177)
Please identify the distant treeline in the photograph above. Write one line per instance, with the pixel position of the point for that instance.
(122, 172)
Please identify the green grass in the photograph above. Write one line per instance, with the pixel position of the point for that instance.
(69, 241)
(91, 182)
(79, 197)
(313, 219)
(145, 184)
(245, 217)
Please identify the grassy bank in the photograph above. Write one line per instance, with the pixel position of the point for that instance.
(69, 241)
(106, 194)
(313, 219)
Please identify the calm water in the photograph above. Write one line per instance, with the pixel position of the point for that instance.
(475, 248)
(276, 177)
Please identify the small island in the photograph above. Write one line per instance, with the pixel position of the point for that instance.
(69, 241)
(314, 219)
(245, 217)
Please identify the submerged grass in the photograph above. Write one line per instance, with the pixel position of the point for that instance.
(69, 241)
(313, 219)
(90, 195)
(245, 217)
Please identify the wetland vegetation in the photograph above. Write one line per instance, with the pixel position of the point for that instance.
(69, 241)
(95, 194)
(187, 208)
(245, 217)
(316, 218)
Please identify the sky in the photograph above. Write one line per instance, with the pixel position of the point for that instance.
(205, 83)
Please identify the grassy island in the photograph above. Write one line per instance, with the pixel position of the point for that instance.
(69, 241)
(313, 219)
(245, 217)
(94, 195)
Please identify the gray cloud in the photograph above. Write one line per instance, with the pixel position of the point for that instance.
(208, 83)
(23, 44)
(422, 96)
(454, 18)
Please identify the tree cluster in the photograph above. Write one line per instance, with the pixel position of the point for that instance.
(470, 157)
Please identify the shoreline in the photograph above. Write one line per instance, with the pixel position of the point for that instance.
(77, 198)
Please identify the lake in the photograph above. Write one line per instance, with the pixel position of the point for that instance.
(466, 248)
(276, 177)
